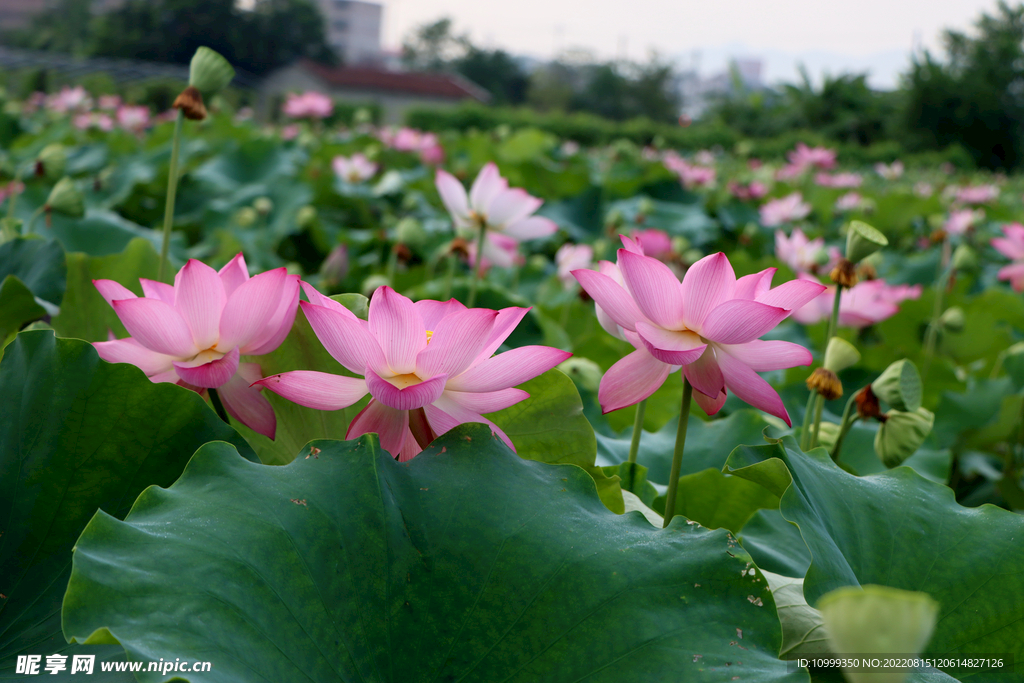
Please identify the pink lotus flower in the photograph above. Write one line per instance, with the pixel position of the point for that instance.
(135, 119)
(193, 333)
(690, 175)
(785, 210)
(427, 366)
(69, 99)
(890, 171)
(93, 120)
(978, 194)
(10, 189)
(923, 189)
(289, 132)
(805, 157)
(789, 172)
(570, 257)
(708, 325)
(109, 102)
(1012, 247)
(507, 212)
(961, 220)
(839, 180)
(866, 303)
(654, 242)
(803, 255)
(412, 140)
(499, 250)
(850, 201)
(308, 105)
(354, 169)
(753, 190)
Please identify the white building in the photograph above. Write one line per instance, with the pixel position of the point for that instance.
(699, 92)
(353, 29)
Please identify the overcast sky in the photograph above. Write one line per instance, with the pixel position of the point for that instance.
(875, 35)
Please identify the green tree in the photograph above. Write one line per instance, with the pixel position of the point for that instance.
(497, 72)
(71, 34)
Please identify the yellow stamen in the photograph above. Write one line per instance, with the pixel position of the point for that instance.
(430, 334)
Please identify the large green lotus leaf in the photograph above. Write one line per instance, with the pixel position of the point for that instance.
(775, 544)
(38, 263)
(899, 529)
(718, 501)
(467, 563)
(76, 434)
(84, 313)
(550, 427)
(686, 220)
(17, 307)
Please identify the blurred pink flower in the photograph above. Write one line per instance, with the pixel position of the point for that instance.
(290, 132)
(690, 175)
(708, 325)
(133, 118)
(978, 194)
(109, 102)
(785, 210)
(570, 257)
(499, 250)
(866, 303)
(890, 171)
(426, 365)
(69, 99)
(789, 172)
(923, 189)
(308, 105)
(1011, 245)
(839, 180)
(850, 202)
(960, 220)
(411, 140)
(10, 189)
(354, 169)
(803, 255)
(818, 157)
(654, 242)
(194, 332)
(93, 120)
(753, 190)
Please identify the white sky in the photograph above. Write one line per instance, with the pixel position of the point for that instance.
(825, 34)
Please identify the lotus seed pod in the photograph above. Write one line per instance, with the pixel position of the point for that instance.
(585, 372)
(965, 258)
(246, 216)
(410, 231)
(878, 620)
(901, 434)
(953, 319)
(263, 205)
(306, 217)
(840, 354)
(862, 240)
(65, 198)
(209, 71)
(51, 162)
(537, 262)
(899, 386)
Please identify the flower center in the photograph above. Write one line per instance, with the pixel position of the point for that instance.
(207, 356)
(430, 335)
(403, 381)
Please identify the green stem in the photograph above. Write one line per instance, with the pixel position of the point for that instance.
(833, 322)
(479, 264)
(811, 438)
(32, 219)
(14, 195)
(392, 266)
(819, 403)
(218, 406)
(805, 432)
(677, 454)
(638, 430)
(932, 335)
(172, 190)
(449, 278)
(849, 417)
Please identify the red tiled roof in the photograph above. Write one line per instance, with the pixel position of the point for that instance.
(410, 82)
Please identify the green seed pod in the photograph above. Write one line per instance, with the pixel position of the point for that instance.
(65, 198)
(246, 216)
(840, 354)
(306, 217)
(953, 319)
(899, 386)
(965, 258)
(583, 371)
(410, 231)
(209, 71)
(51, 161)
(878, 620)
(680, 244)
(862, 240)
(902, 434)
(263, 205)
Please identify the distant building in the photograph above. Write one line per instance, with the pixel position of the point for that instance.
(698, 93)
(394, 91)
(353, 29)
(17, 13)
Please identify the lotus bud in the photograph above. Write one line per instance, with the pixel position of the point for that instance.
(410, 231)
(901, 434)
(825, 383)
(65, 198)
(246, 216)
(51, 161)
(583, 371)
(899, 386)
(953, 319)
(335, 266)
(209, 71)
(371, 284)
(306, 217)
(965, 258)
(263, 205)
(840, 354)
(862, 240)
(879, 620)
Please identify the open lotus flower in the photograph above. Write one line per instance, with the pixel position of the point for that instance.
(805, 157)
(427, 366)
(977, 194)
(492, 203)
(570, 257)
(193, 333)
(308, 105)
(708, 325)
(839, 180)
(961, 220)
(803, 255)
(890, 171)
(1012, 247)
(866, 303)
(354, 169)
(787, 209)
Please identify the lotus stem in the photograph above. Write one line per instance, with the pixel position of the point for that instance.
(677, 454)
(638, 430)
(172, 191)
(479, 264)
(849, 417)
(32, 219)
(932, 335)
(218, 406)
(449, 278)
(819, 401)
(805, 431)
(13, 199)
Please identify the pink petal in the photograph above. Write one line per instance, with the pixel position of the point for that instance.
(631, 244)
(234, 274)
(668, 346)
(631, 380)
(762, 356)
(433, 312)
(457, 340)
(250, 309)
(655, 289)
(753, 285)
(708, 283)
(510, 206)
(320, 390)
(208, 374)
(199, 298)
(157, 326)
(504, 324)
(319, 299)
(453, 195)
(613, 299)
(750, 387)
(246, 404)
(398, 328)
(112, 291)
(792, 295)
(390, 425)
(705, 375)
(157, 290)
(531, 228)
(508, 369)
(170, 376)
(486, 187)
(409, 398)
(130, 351)
(348, 342)
(488, 402)
(281, 322)
(445, 414)
(741, 320)
(709, 405)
